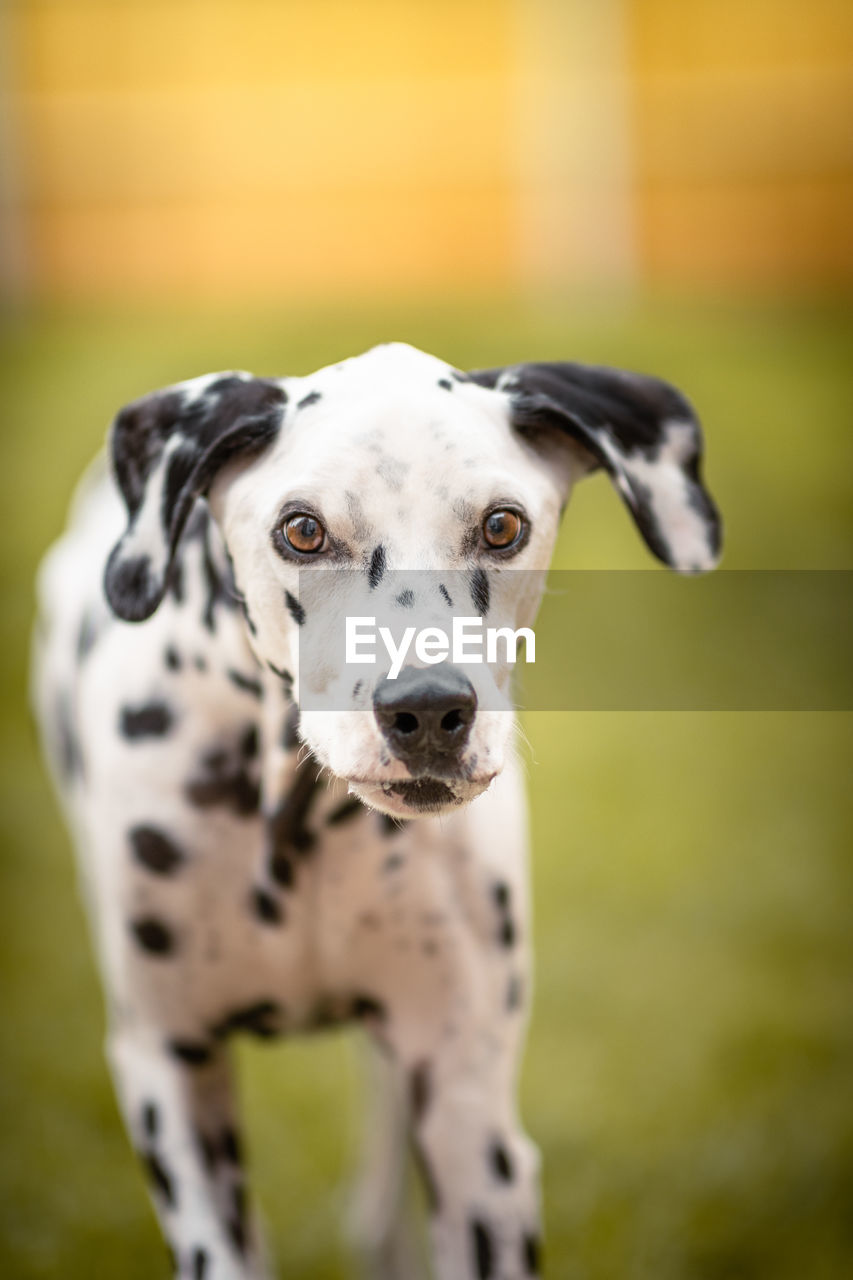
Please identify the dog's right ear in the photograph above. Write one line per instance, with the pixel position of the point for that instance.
(166, 450)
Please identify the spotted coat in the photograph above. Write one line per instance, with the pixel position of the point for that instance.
(252, 870)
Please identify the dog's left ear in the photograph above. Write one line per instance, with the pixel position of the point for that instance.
(642, 431)
(166, 451)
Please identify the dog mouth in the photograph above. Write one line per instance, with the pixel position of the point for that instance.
(424, 795)
(419, 796)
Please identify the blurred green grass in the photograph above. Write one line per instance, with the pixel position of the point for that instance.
(689, 1065)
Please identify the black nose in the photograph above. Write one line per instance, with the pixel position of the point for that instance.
(425, 713)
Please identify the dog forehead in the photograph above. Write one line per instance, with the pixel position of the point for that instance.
(393, 400)
(390, 362)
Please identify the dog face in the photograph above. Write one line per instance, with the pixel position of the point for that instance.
(416, 488)
(399, 477)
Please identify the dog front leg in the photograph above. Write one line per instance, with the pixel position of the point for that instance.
(480, 1170)
(178, 1106)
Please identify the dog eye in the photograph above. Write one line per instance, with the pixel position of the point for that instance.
(304, 533)
(502, 529)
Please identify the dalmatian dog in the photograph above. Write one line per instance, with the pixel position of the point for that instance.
(251, 870)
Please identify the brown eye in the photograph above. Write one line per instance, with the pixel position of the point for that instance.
(502, 529)
(304, 533)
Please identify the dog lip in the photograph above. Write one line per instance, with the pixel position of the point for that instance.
(419, 797)
(424, 794)
(464, 779)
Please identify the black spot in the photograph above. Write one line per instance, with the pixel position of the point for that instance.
(501, 1163)
(193, 1053)
(237, 1234)
(173, 658)
(364, 1006)
(284, 676)
(295, 609)
(420, 1091)
(132, 589)
(199, 1264)
(530, 1252)
(514, 993)
(86, 636)
(347, 809)
(484, 1251)
(231, 1145)
(311, 398)
(390, 826)
(224, 778)
(445, 593)
(290, 738)
(265, 907)
(154, 850)
(209, 1152)
(287, 830)
(237, 1223)
(249, 620)
(150, 1119)
(215, 584)
(506, 935)
(356, 689)
(228, 382)
(446, 384)
(175, 583)
(200, 663)
(237, 792)
(406, 598)
(245, 683)
(159, 1177)
(152, 720)
(69, 750)
(377, 566)
(281, 869)
(393, 862)
(480, 591)
(153, 936)
(262, 1019)
(303, 840)
(506, 924)
(500, 892)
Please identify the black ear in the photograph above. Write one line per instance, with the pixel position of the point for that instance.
(166, 451)
(642, 431)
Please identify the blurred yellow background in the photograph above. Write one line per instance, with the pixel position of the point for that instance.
(266, 148)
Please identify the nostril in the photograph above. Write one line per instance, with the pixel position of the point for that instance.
(452, 721)
(425, 715)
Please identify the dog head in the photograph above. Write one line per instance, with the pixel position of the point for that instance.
(416, 485)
